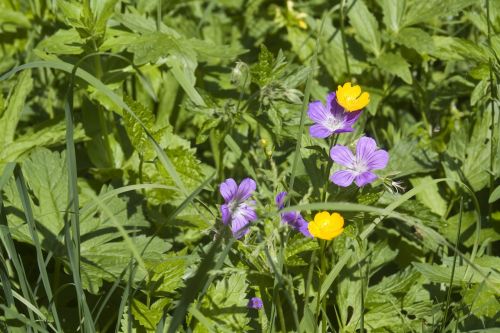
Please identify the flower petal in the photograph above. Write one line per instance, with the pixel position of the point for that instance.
(246, 188)
(365, 178)
(317, 111)
(313, 228)
(342, 155)
(362, 101)
(226, 214)
(321, 217)
(378, 160)
(247, 211)
(280, 199)
(337, 220)
(343, 178)
(319, 131)
(228, 189)
(239, 226)
(351, 117)
(365, 148)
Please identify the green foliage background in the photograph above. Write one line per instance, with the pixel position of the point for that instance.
(119, 118)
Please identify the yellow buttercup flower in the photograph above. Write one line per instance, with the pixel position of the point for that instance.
(326, 226)
(351, 98)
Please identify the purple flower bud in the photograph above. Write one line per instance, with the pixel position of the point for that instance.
(255, 303)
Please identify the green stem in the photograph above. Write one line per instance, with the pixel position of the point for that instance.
(344, 43)
(280, 312)
(320, 302)
(333, 141)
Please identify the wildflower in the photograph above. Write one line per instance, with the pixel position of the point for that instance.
(255, 303)
(351, 98)
(326, 226)
(238, 209)
(359, 167)
(293, 219)
(330, 118)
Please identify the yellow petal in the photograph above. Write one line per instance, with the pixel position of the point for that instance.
(355, 91)
(337, 221)
(313, 229)
(361, 102)
(332, 234)
(322, 216)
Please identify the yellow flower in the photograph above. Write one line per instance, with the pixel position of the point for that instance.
(326, 226)
(351, 98)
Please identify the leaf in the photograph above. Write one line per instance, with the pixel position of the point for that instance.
(441, 274)
(10, 116)
(149, 317)
(454, 48)
(63, 42)
(415, 38)
(366, 26)
(8, 16)
(225, 303)
(394, 64)
(482, 301)
(424, 11)
(168, 275)
(394, 11)
(495, 195)
(430, 195)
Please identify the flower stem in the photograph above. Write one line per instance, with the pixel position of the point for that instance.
(280, 312)
(332, 141)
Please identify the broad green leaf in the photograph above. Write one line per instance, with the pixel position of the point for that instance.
(415, 38)
(463, 274)
(395, 64)
(495, 195)
(63, 42)
(225, 303)
(168, 275)
(394, 11)
(149, 317)
(10, 116)
(366, 26)
(11, 17)
(430, 196)
(454, 48)
(424, 11)
(482, 300)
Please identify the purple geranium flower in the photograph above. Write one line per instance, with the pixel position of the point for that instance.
(294, 219)
(330, 118)
(238, 209)
(255, 303)
(359, 167)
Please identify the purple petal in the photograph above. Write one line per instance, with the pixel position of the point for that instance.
(247, 211)
(345, 129)
(335, 108)
(343, 178)
(246, 188)
(342, 155)
(255, 303)
(378, 160)
(319, 131)
(317, 111)
(226, 214)
(365, 178)
(351, 117)
(280, 200)
(365, 148)
(239, 226)
(228, 189)
(304, 230)
(289, 217)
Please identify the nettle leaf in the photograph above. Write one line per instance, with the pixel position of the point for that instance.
(366, 26)
(298, 250)
(468, 152)
(424, 11)
(149, 317)
(177, 52)
(394, 11)
(225, 304)
(395, 64)
(483, 301)
(463, 274)
(430, 195)
(415, 38)
(168, 275)
(16, 101)
(408, 158)
(63, 42)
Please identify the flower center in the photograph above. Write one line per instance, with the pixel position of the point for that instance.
(359, 167)
(332, 123)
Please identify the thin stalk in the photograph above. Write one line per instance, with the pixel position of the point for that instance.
(333, 141)
(280, 312)
(158, 15)
(344, 43)
(457, 241)
(319, 303)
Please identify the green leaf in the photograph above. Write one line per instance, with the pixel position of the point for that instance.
(10, 116)
(482, 301)
(495, 195)
(430, 195)
(149, 317)
(394, 11)
(415, 38)
(225, 303)
(395, 64)
(168, 274)
(63, 42)
(366, 27)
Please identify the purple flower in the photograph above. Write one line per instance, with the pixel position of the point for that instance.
(330, 118)
(293, 219)
(255, 303)
(238, 209)
(359, 167)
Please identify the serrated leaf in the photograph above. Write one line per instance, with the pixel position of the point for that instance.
(394, 11)
(430, 195)
(395, 64)
(149, 317)
(415, 38)
(366, 26)
(10, 116)
(168, 274)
